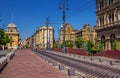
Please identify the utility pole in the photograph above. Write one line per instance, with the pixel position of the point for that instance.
(49, 40)
(47, 24)
(64, 8)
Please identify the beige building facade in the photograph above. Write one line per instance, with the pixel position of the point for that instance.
(44, 37)
(70, 33)
(27, 42)
(13, 34)
(108, 22)
(87, 33)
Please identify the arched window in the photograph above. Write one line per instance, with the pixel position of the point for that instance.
(11, 30)
(112, 38)
(102, 38)
(110, 2)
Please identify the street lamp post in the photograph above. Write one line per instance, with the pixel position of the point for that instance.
(64, 8)
(47, 23)
(73, 40)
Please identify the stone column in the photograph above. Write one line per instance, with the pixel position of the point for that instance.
(98, 20)
(108, 45)
(115, 16)
(105, 19)
(118, 15)
(108, 22)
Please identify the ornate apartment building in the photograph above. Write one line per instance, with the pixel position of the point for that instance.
(87, 33)
(108, 22)
(13, 34)
(27, 42)
(44, 37)
(70, 33)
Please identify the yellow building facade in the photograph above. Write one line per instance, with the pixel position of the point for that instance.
(13, 34)
(27, 42)
(87, 33)
(44, 37)
(70, 33)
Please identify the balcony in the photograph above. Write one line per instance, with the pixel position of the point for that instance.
(106, 27)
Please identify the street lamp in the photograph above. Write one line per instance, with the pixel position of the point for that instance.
(73, 40)
(64, 8)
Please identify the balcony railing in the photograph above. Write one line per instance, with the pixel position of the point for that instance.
(107, 25)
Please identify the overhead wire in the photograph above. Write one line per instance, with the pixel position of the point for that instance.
(81, 9)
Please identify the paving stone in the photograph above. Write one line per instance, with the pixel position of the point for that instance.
(25, 64)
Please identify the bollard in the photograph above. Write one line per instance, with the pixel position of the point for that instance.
(73, 55)
(84, 57)
(100, 60)
(61, 67)
(49, 61)
(111, 63)
(71, 72)
(54, 64)
(78, 56)
(46, 59)
(91, 59)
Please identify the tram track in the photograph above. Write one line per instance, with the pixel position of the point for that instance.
(83, 66)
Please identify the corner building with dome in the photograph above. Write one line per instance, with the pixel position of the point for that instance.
(13, 34)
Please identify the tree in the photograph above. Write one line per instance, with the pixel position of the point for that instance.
(79, 42)
(89, 47)
(1, 36)
(4, 39)
(56, 45)
(115, 44)
(69, 43)
(100, 46)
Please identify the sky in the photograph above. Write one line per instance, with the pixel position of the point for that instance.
(29, 15)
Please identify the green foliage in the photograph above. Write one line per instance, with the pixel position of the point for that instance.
(1, 36)
(4, 39)
(115, 44)
(56, 45)
(61, 46)
(100, 46)
(95, 45)
(24, 46)
(79, 42)
(69, 43)
(89, 47)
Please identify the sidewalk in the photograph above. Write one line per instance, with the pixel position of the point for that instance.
(25, 64)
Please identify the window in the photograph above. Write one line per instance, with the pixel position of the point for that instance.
(68, 30)
(111, 18)
(101, 4)
(110, 2)
(11, 30)
(119, 15)
(102, 20)
(112, 38)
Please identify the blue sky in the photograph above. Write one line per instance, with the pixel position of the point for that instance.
(28, 15)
